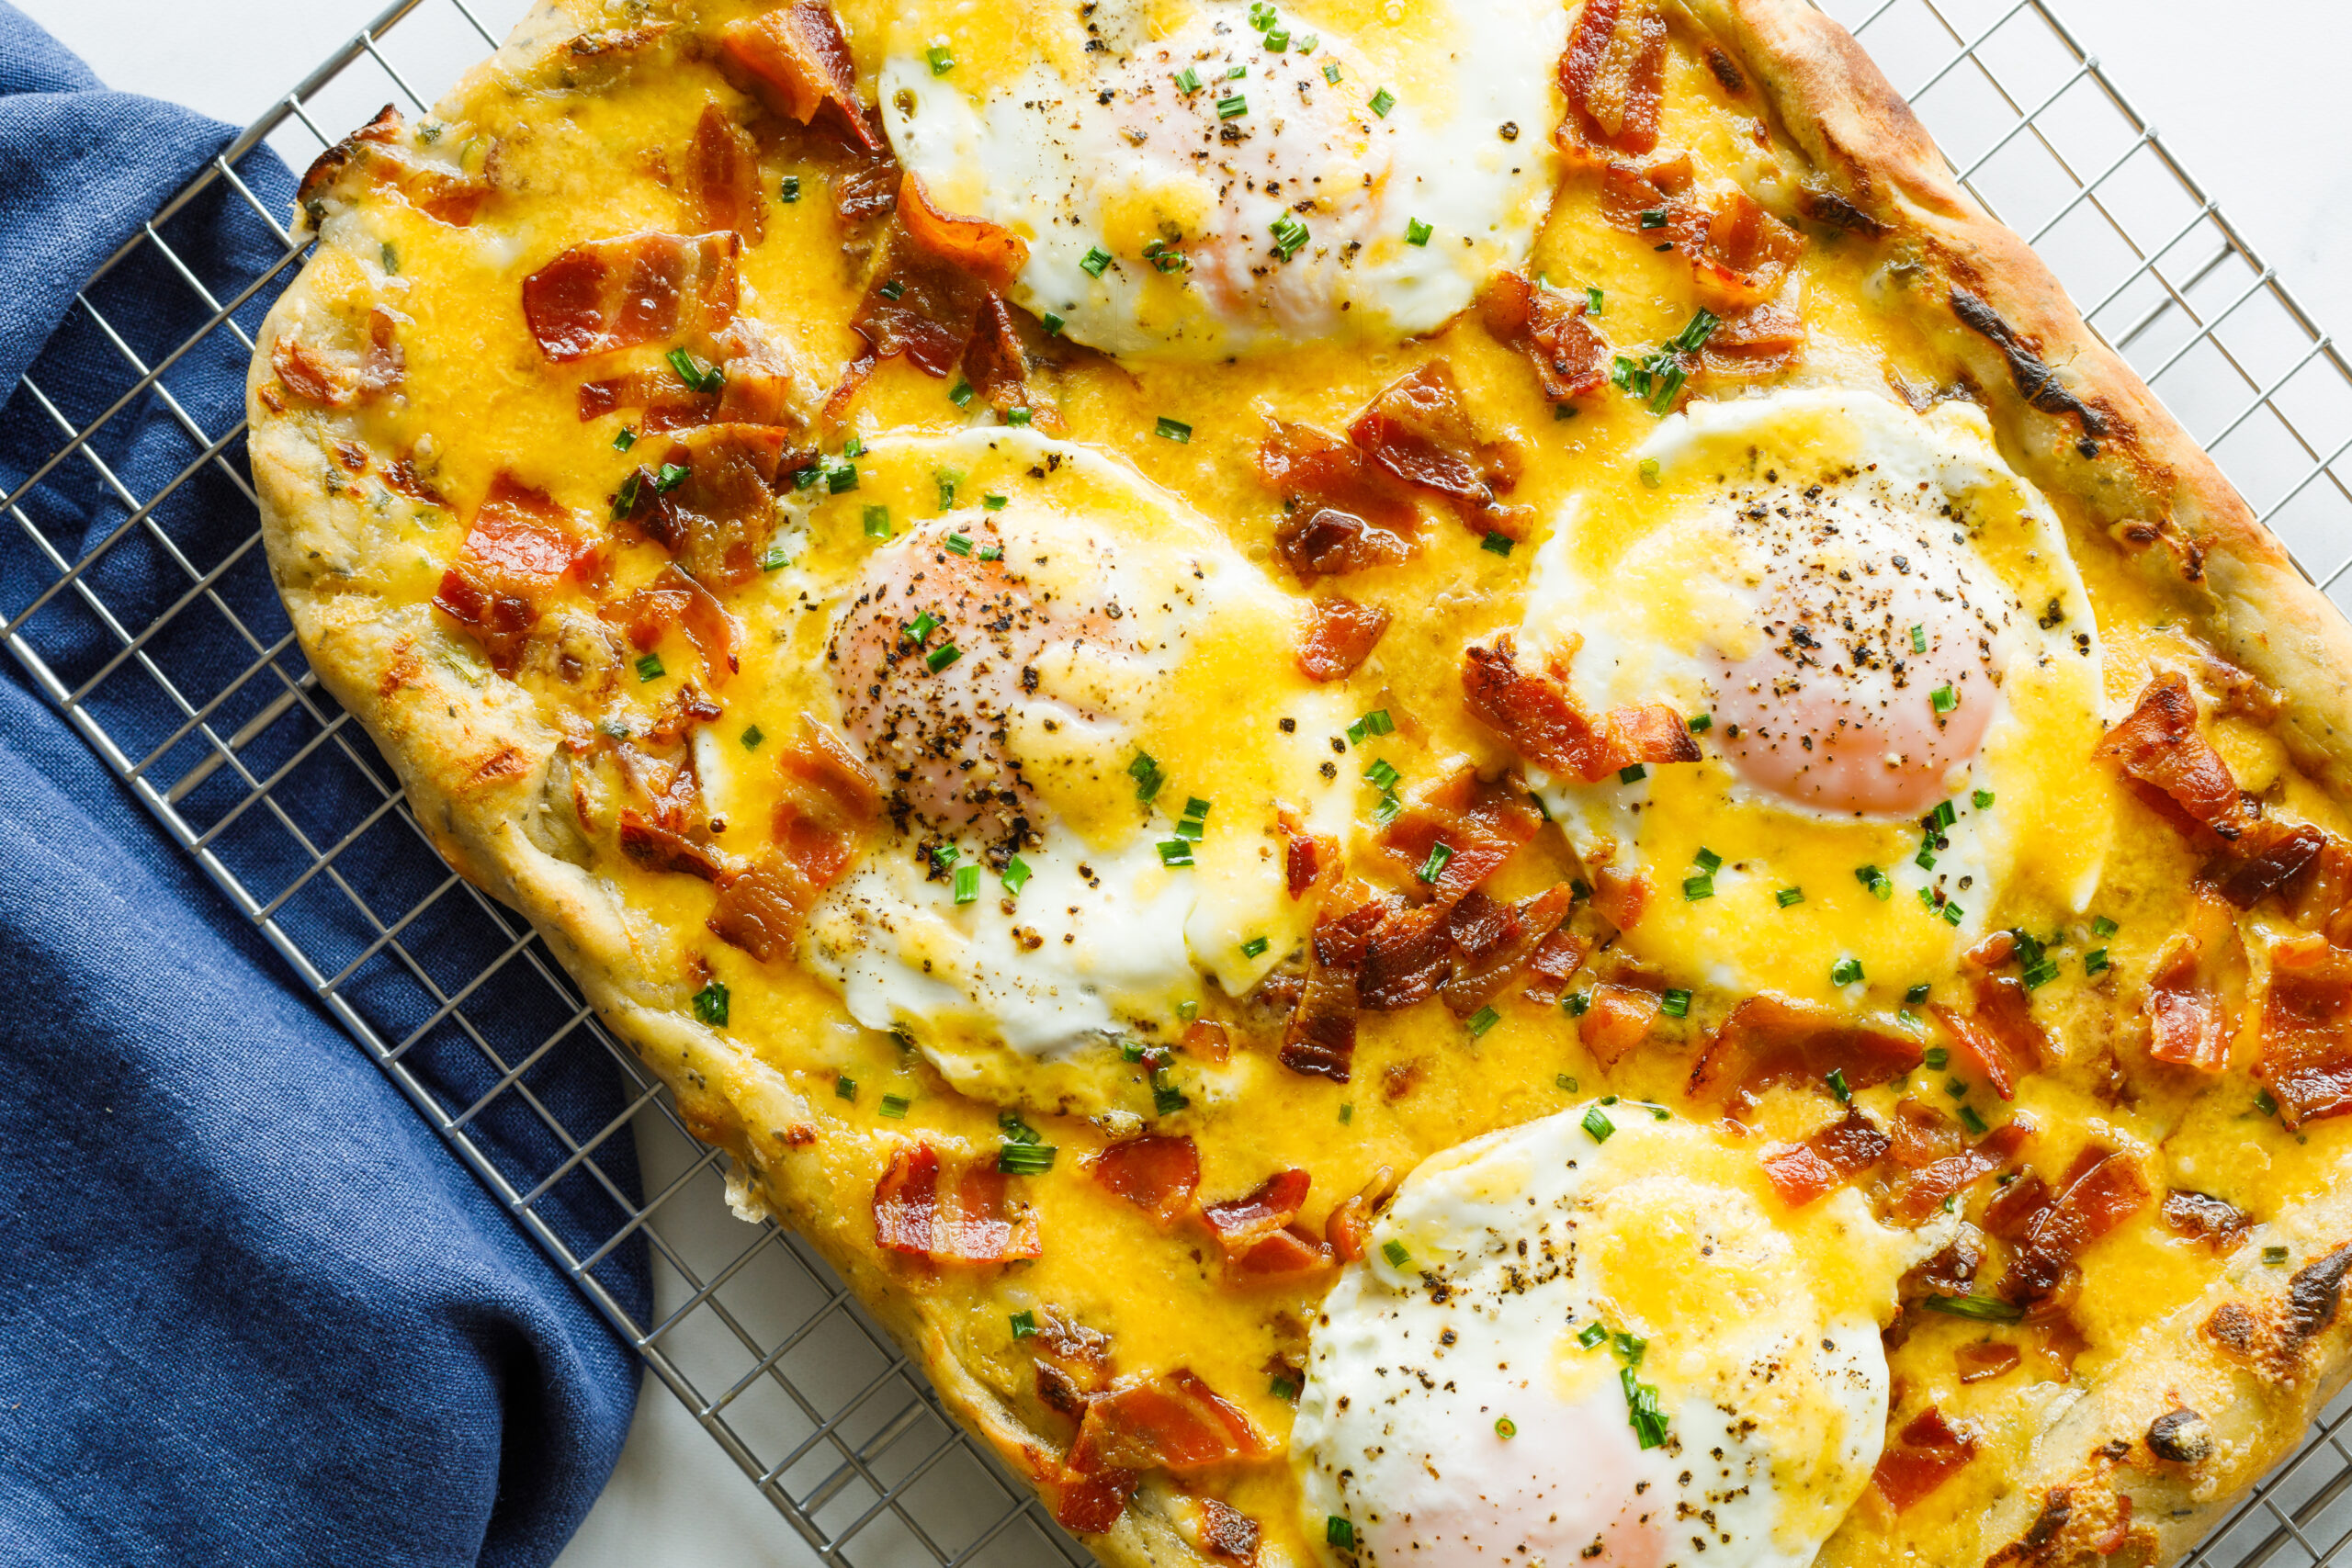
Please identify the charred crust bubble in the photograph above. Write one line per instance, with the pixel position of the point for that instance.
(2181, 1436)
(1827, 208)
(2314, 1295)
(2035, 381)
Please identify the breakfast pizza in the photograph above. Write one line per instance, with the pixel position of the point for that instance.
(1447, 780)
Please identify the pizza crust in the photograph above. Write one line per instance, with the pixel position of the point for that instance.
(487, 780)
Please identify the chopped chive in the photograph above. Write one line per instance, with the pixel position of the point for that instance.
(1925, 860)
(1026, 1160)
(1434, 867)
(1970, 1119)
(1497, 544)
(1697, 887)
(941, 61)
(1915, 995)
(1846, 971)
(1395, 1252)
(841, 479)
(1655, 217)
(1174, 429)
(775, 560)
(1380, 775)
(1017, 418)
(1310, 42)
(1953, 914)
(1982, 799)
(1237, 73)
(1956, 1089)
(940, 658)
(1097, 261)
(1699, 723)
(1175, 851)
(1290, 235)
(1984, 1309)
(1919, 639)
(2102, 926)
(1945, 814)
(1188, 80)
(846, 1087)
(752, 739)
(1635, 773)
(992, 552)
(1146, 771)
(2094, 960)
(945, 855)
(893, 290)
(625, 440)
(1706, 860)
(894, 1106)
(1674, 1004)
(1382, 102)
(1944, 699)
(960, 394)
(1836, 1081)
(698, 377)
(1563, 1083)
(1347, 1114)
(671, 476)
(1015, 876)
(1579, 1003)
(710, 1005)
(2039, 975)
(1024, 1325)
(1376, 722)
(1593, 299)
(1338, 1533)
(1598, 1126)
(650, 668)
(1876, 880)
(2264, 1102)
(968, 883)
(1787, 897)
(1649, 472)
(1331, 72)
(1482, 1020)
(1233, 106)
(1255, 947)
(790, 189)
(994, 503)
(2276, 1256)
(1052, 324)
(959, 543)
(1592, 1333)
(921, 627)
(1277, 41)
(1283, 1389)
(1418, 232)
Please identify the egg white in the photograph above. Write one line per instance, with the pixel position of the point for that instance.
(1762, 1331)
(1649, 583)
(1096, 151)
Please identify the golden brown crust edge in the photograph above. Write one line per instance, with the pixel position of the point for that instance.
(2263, 1348)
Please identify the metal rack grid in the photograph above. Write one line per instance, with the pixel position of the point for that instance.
(285, 805)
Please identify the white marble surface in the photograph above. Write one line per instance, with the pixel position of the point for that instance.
(2244, 100)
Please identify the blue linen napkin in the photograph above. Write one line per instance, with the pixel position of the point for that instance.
(252, 1311)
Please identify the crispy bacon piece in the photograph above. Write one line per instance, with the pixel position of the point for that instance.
(1494, 941)
(1240, 1224)
(1349, 1228)
(2217, 1222)
(992, 254)
(516, 550)
(1549, 327)
(2160, 748)
(1157, 1174)
(1739, 254)
(1228, 1534)
(1307, 858)
(2267, 858)
(1759, 341)
(1536, 713)
(1928, 1451)
(716, 518)
(1408, 957)
(653, 847)
(1337, 635)
(948, 1210)
(334, 379)
(377, 154)
(1935, 1163)
(930, 310)
(1481, 825)
(1288, 1253)
(613, 294)
(760, 387)
(1554, 960)
(1088, 1505)
(1844, 1148)
(1986, 1359)
(721, 184)
(1769, 1040)
(2103, 1191)
(1618, 1019)
(2001, 1037)
(1173, 1421)
(2188, 1025)
(675, 599)
(1340, 513)
(1417, 430)
(1320, 1038)
(1613, 72)
(1620, 897)
(795, 61)
(2320, 898)
(999, 369)
(1207, 1040)
(828, 802)
(2307, 1031)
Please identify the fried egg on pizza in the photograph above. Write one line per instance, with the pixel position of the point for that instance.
(1448, 783)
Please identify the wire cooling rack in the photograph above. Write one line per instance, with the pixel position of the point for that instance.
(284, 804)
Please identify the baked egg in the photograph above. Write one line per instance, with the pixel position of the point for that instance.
(1879, 637)
(1206, 179)
(1599, 1338)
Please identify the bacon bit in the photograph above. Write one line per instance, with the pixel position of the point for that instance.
(993, 255)
(2002, 1038)
(827, 806)
(1493, 943)
(1803, 1172)
(1993, 952)
(2321, 899)
(335, 379)
(2307, 1033)
(1738, 252)
(867, 184)
(1481, 824)
(2219, 1224)
(1417, 430)
(1240, 1223)
(722, 187)
(998, 366)
(1349, 1228)
(1307, 858)
(2103, 1191)
(1549, 327)
(1555, 959)
(1542, 722)
(949, 1212)
(1928, 1451)
(1288, 1253)
(1173, 1421)
(1951, 1271)
(613, 294)
(515, 550)
(1340, 513)
(1088, 1505)
(1208, 1040)
(795, 61)
(715, 519)
(1935, 1164)
(2266, 859)
(401, 479)
(675, 599)
(2159, 747)
(652, 847)
(1769, 1040)
(1618, 1020)
(2186, 1024)
(1337, 636)
(1985, 1360)
(1619, 898)
(1156, 1174)
(1228, 1533)
(1761, 339)
(1320, 1038)
(1406, 958)
(1612, 72)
